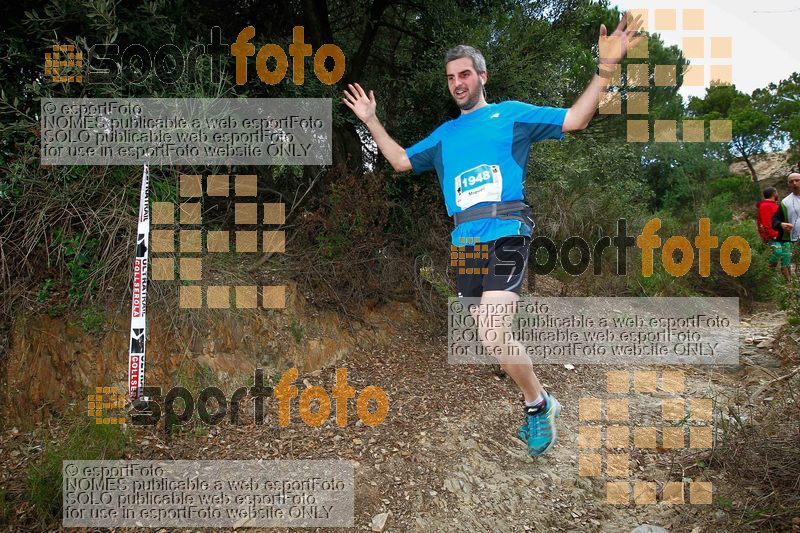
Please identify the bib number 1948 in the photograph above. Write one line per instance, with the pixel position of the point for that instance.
(483, 183)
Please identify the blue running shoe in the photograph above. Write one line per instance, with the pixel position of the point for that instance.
(539, 430)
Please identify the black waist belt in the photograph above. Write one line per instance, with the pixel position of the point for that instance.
(512, 210)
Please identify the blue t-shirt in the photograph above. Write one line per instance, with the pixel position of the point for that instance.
(480, 159)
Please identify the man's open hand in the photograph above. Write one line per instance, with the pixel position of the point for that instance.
(362, 105)
(615, 46)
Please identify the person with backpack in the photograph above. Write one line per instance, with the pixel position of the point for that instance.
(778, 243)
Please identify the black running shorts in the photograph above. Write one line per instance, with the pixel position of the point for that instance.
(497, 265)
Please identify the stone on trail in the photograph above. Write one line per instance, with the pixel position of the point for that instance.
(648, 528)
(379, 521)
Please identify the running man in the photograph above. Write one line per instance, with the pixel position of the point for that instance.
(480, 159)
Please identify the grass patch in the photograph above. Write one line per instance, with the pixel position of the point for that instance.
(200, 429)
(79, 253)
(437, 281)
(297, 330)
(789, 299)
(83, 441)
(93, 319)
(56, 310)
(193, 377)
(758, 448)
(5, 508)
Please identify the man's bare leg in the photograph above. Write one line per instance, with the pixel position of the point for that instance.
(494, 316)
(520, 368)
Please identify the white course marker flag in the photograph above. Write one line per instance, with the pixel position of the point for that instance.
(139, 293)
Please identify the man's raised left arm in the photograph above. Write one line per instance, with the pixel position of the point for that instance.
(612, 49)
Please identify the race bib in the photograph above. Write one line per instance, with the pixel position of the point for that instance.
(483, 183)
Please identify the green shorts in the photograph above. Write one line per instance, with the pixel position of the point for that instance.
(781, 251)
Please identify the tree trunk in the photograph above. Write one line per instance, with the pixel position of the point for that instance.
(318, 27)
(347, 146)
(359, 60)
(751, 168)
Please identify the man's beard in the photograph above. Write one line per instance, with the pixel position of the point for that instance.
(470, 102)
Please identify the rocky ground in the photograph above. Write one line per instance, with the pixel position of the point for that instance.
(772, 165)
(446, 458)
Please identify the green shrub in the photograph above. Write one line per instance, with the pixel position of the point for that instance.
(759, 282)
(80, 256)
(437, 281)
(718, 209)
(741, 188)
(56, 310)
(789, 299)
(44, 291)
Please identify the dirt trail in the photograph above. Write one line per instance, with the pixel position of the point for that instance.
(490, 483)
(447, 458)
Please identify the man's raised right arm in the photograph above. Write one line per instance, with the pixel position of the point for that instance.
(364, 108)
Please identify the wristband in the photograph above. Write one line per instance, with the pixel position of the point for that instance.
(600, 73)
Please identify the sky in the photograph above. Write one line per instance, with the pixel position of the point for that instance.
(765, 37)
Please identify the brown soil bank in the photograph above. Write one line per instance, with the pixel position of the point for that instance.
(53, 363)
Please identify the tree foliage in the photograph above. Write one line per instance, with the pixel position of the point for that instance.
(542, 52)
(782, 102)
(750, 125)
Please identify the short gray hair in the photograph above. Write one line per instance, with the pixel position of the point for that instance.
(464, 50)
